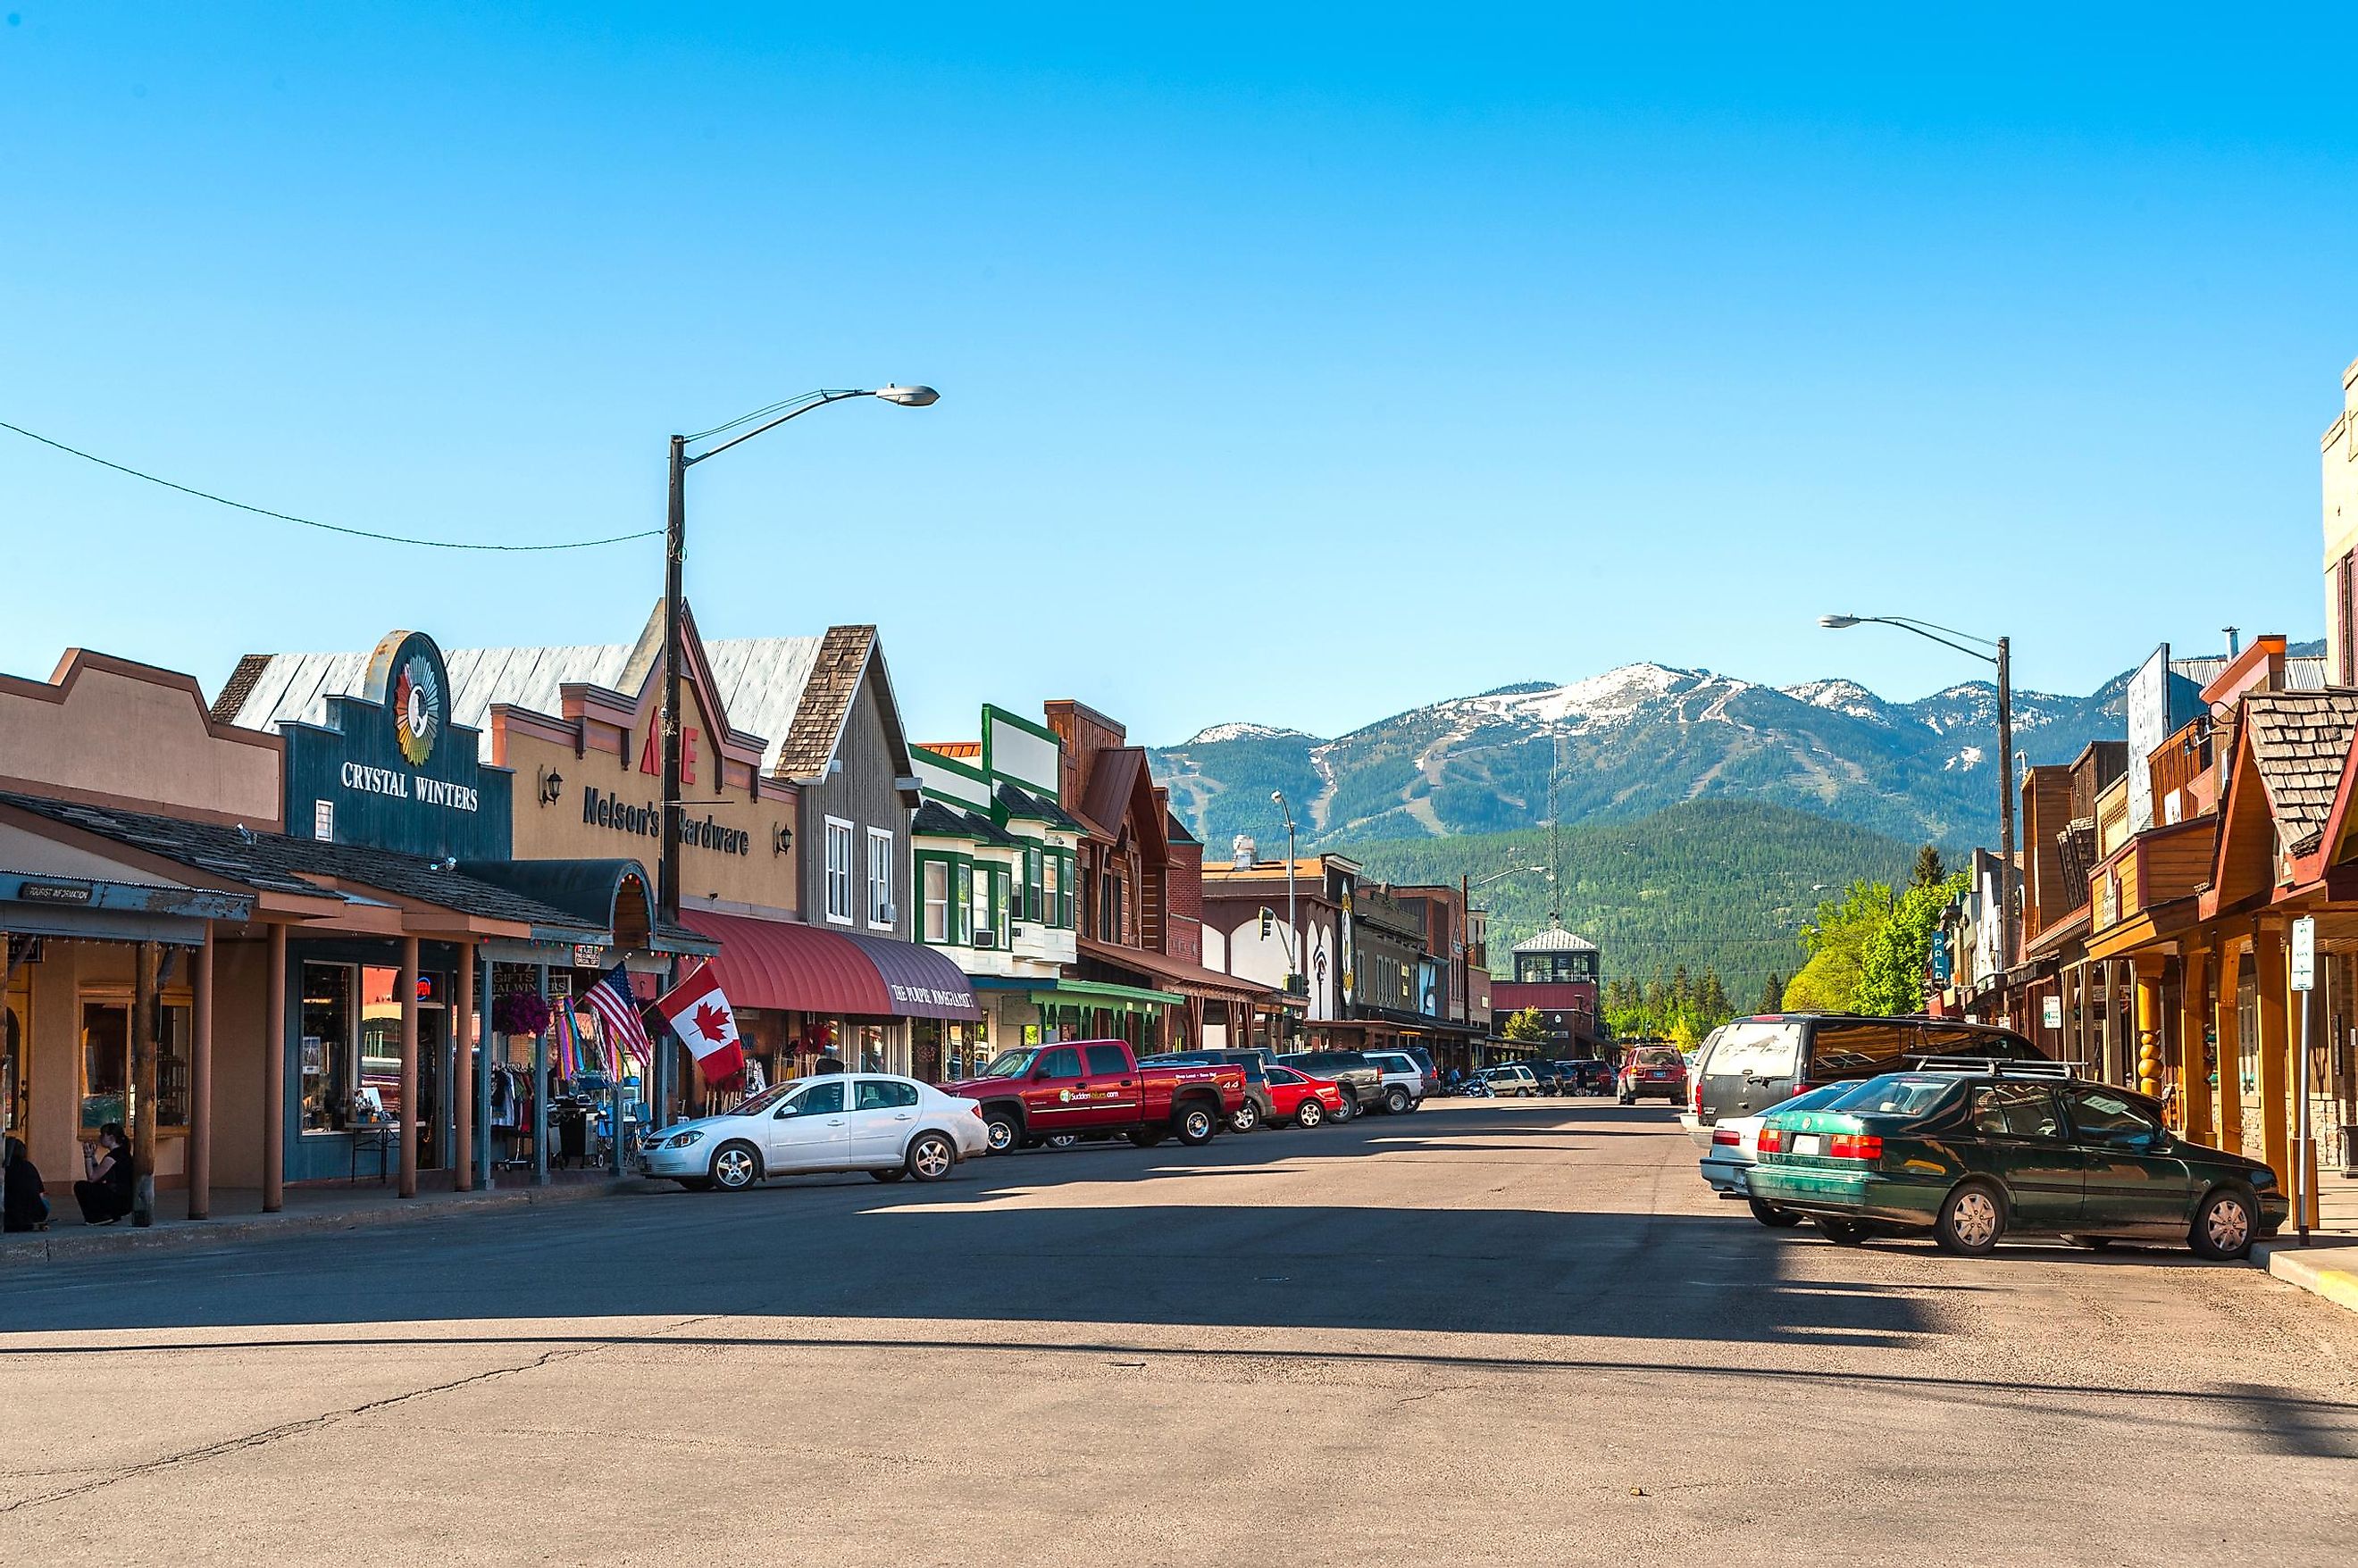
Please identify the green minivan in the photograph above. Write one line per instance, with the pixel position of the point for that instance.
(1968, 1156)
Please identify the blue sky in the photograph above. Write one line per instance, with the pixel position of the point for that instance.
(1298, 368)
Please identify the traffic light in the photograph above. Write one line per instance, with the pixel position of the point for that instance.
(1267, 920)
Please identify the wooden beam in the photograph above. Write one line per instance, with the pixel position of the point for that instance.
(200, 1085)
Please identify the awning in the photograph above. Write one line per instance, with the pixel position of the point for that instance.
(809, 968)
(1178, 974)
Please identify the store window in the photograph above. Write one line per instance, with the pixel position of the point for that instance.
(1052, 883)
(1031, 858)
(15, 1054)
(936, 894)
(1002, 882)
(839, 870)
(880, 878)
(331, 1020)
(962, 905)
(979, 904)
(107, 1092)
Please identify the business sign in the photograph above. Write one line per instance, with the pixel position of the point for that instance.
(2304, 954)
(390, 771)
(2149, 715)
(2050, 1011)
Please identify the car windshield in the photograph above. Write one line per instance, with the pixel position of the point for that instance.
(1894, 1094)
(1817, 1099)
(767, 1099)
(1660, 1056)
(1009, 1064)
(1762, 1049)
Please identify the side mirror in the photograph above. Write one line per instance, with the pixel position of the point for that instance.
(1040, 1071)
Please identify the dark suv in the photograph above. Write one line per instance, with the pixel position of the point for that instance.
(1254, 1113)
(1362, 1080)
(1754, 1063)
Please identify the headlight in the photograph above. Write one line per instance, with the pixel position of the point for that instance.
(2263, 1178)
(682, 1139)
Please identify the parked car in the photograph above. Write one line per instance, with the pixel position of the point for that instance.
(1511, 1079)
(1362, 1081)
(1423, 1060)
(1403, 1080)
(1255, 1111)
(1302, 1099)
(1651, 1072)
(1584, 1075)
(1037, 1092)
(888, 1127)
(1967, 1157)
(1728, 1159)
(1763, 1061)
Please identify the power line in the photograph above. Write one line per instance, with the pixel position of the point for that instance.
(314, 523)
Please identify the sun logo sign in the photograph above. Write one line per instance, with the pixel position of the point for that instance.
(416, 709)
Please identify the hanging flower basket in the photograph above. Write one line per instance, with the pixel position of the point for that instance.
(520, 1013)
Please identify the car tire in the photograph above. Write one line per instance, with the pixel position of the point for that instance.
(1063, 1140)
(1396, 1101)
(1006, 1132)
(1309, 1114)
(1195, 1125)
(735, 1167)
(894, 1175)
(1972, 1219)
(1146, 1137)
(1246, 1119)
(2224, 1227)
(1348, 1110)
(1842, 1232)
(1772, 1217)
(931, 1158)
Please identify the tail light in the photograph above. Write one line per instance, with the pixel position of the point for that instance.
(1772, 1140)
(1727, 1135)
(1694, 1093)
(1854, 1146)
(974, 1108)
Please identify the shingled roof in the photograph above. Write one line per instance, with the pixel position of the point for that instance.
(2299, 741)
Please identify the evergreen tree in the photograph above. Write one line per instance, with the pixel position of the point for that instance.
(1930, 871)
(1711, 1000)
(1681, 987)
(1772, 994)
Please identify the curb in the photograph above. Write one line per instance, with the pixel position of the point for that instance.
(2330, 1271)
(60, 1246)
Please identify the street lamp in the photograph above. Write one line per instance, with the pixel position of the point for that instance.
(1950, 637)
(1294, 960)
(675, 553)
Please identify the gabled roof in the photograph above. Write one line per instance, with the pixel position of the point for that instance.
(1120, 785)
(1022, 805)
(1556, 939)
(2299, 741)
(940, 819)
(800, 692)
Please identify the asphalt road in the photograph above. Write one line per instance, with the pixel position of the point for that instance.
(1515, 1334)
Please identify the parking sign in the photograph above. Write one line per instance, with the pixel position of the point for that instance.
(2304, 953)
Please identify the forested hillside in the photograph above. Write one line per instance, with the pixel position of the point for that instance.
(1723, 884)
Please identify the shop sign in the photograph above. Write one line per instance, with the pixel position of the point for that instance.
(2304, 953)
(589, 956)
(55, 893)
(604, 808)
(390, 771)
(2051, 1011)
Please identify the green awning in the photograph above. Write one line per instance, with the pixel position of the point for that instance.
(1099, 993)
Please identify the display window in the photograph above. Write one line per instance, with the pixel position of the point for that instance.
(329, 1040)
(107, 1091)
(16, 1055)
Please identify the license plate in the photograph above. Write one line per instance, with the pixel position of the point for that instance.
(1658, 1075)
(1807, 1143)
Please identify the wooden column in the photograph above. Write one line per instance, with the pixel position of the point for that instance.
(2268, 960)
(201, 1086)
(2227, 1024)
(406, 1128)
(2149, 970)
(145, 1016)
(462, 1075)
(2193, 1058)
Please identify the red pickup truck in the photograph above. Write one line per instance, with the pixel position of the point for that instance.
(1039, 1092)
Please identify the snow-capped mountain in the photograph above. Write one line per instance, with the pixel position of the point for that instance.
(1626, 743)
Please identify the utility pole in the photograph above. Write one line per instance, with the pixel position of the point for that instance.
(2006, 871)
(1294, 932)
(667, 867)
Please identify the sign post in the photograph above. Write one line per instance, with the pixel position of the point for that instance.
(2304, 980)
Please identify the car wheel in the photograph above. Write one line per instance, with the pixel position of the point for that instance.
(1842, 1232)
(1195, 1126)
(1349, 1108)
(2222, 1227)
(931, 1158)
(1396, 1101)
(1006, 1137)
(1772, 1217)
(1063, 1140)
(735, 1167)
(894, 1175)
(1310, 1114)
(1971, 1219)
(1147, 1137)
(1248, 1117)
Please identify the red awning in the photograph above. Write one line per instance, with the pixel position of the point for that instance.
(809, 968)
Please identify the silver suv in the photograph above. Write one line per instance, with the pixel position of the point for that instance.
(1403, 1085)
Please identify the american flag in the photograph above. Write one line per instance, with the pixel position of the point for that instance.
(617, 1012)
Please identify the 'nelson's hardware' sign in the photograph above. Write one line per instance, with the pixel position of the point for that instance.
(604, 808)
(393, 770)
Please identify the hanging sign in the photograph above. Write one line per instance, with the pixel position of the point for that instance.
(2304, 954)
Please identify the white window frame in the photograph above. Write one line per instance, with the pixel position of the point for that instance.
(880, 876)
(843, 877)
(928, 869)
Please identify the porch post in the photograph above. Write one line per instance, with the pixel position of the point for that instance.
(145, 1017)
(200, 1086)
(273, 1076)
(406, 1126)
(2227, 1025)
(540, 1095)
(2193, 1058)
(2148, 1024)
(2275, 1104)
(462, 1076)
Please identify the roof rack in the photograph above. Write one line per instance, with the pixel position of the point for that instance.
(1996, 1067)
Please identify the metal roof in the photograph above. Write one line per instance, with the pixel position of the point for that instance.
(1556, 939)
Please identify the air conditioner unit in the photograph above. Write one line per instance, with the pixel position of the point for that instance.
(985, 939)
(892, 912)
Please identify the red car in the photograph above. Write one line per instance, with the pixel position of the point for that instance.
(1299, 1098)
(1653, 1072)
(1084, 1088)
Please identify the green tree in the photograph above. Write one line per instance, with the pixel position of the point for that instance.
(1711, 1001)
(1526, 1027)
(1837, 942)
(1893, 961)
(1930, 871)
(1772, 993)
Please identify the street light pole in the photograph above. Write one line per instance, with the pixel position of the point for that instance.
(674, 557)
(1294, 931)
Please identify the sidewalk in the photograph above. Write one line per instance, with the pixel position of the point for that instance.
(313, 1207)
(2327, 1266)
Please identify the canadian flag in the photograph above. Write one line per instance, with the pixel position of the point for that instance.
(702, 1018)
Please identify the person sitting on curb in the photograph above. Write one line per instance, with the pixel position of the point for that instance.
(22, 1207)
(106, 1197)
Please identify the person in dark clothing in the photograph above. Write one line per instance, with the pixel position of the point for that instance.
(22, 1207)
(106, 1197)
